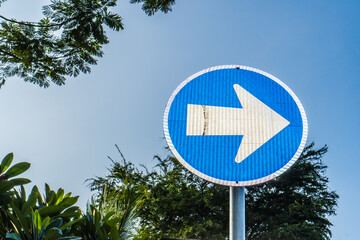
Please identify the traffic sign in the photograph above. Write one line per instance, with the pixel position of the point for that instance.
(235, 125)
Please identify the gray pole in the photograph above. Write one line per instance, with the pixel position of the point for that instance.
(237, 213)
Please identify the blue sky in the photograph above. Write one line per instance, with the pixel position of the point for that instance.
(312, 46)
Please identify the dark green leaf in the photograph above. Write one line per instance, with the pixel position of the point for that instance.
(6, 162)
(56, 223)
(20, 181)
(69, 224)
(70, 212)
(31, 201)
(18, 169)
(67, 202)
(6, 186)
(53, 233)
(49, 210)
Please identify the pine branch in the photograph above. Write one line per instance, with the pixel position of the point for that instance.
(9, 54)
(33, 24)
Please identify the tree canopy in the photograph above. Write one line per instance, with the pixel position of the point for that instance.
(65, 42)
(297, 205)
(178, 204)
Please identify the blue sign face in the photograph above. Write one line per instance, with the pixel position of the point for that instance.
(235, 125)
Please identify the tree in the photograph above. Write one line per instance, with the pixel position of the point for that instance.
(179, 204)
(294, 206)
(33, 217)
(54, 215)
(65, 42)
(37, 218)
(7, 183)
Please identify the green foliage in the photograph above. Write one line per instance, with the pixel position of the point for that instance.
(65, 42)
(58, 204)
(34, 218)
(54, 216)
(32, 226)
(177, 204)
(98, 224)
(150, 7)
(111, 216)
(294, 206)
(7, 182)
(123, 194)
(180, 205)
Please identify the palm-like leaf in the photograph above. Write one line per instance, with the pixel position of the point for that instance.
(35, 218)
(111, 215)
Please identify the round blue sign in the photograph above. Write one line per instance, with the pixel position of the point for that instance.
(235, 125)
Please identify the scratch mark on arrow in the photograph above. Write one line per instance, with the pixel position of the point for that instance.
(206, 119)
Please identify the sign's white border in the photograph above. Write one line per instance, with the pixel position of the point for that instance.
(235, 183)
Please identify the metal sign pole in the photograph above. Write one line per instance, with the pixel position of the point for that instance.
(237, 213)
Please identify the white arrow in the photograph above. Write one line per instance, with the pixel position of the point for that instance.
(255, 121)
